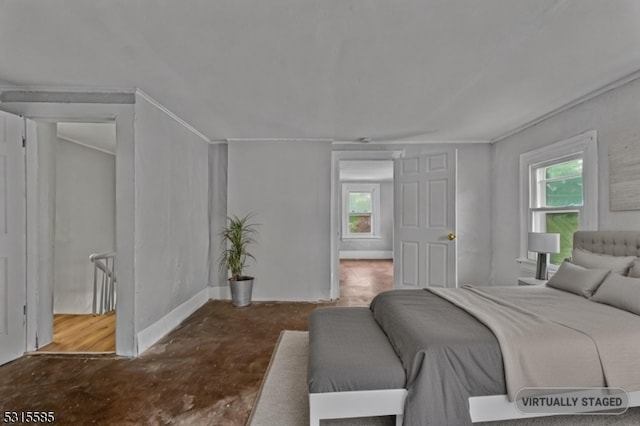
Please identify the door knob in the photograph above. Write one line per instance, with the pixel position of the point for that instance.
(451, 236)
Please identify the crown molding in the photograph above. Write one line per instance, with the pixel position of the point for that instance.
(593, 94)
(235, 140)
(172, 115)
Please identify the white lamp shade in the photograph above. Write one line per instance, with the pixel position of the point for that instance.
(543, 242)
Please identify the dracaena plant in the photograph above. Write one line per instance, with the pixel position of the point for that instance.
(237, 238)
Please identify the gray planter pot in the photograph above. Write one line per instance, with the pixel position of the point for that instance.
(241, 291)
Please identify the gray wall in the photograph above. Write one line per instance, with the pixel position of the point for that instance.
(171, 213)
(47, 142)
(218, 157)
(287, 184)
(385, 242)
(84, 221)
(614, 115)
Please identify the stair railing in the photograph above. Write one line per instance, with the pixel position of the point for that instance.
(104, 282)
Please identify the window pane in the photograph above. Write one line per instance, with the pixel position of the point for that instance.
(360, 202)
(570, 168)
(564, 224)
(360, 223)
(564, 192)
(563, 184)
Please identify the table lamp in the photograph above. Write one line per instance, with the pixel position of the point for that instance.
(543, 243)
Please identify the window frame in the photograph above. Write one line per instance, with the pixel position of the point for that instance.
(584, 145)
(374, 189)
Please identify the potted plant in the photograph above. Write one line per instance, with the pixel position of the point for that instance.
(237, 238)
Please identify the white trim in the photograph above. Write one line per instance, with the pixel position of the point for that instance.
(374, 190)
(220, 293)
(412, 142)
(32, 230)
(606, 88)
(20, 95)
(164, 325)
(236, 140)
(337, 405)
(125, 205)
(587, 144)
(334, 205)
(78, 89)
(333, 405)
(173, 116)
(366, 254)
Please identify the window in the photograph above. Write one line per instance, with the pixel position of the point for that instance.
(559, 190)
(361, 210)
(557, 201)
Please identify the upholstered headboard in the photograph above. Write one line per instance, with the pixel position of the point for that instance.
(615, 243)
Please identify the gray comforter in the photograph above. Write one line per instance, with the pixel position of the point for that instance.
(445, 365)
(545, 338)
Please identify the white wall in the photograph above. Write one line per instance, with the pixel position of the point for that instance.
(385, 242)
(84, 221)
(171, 214)
(614, 115)
(45, 170)
(217, 210)
(287, 184)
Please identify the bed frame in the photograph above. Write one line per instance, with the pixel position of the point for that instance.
(333, 405)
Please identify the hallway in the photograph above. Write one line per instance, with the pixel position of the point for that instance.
(207, 371)
(361, 280)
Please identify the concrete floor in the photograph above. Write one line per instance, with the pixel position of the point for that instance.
(205, 372)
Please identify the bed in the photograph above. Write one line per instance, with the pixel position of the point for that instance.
(581, 330)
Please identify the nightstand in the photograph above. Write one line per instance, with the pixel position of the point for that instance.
(530, 281)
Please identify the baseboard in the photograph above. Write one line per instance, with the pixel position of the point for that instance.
(164, 325)
(220, 293)
(366, 254)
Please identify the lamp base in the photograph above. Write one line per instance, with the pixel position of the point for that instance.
(541, 267)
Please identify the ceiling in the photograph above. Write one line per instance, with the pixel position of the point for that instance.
(423, 70)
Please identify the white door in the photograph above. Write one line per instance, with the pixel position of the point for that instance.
(12, 238)
(424, 246)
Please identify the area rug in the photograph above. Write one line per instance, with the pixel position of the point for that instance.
(283, 399)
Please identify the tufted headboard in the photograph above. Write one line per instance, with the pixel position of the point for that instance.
(615, 243)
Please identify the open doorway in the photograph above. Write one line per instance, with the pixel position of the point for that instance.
(365, 247)
(78, 160)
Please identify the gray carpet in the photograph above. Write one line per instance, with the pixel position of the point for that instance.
(283, 397)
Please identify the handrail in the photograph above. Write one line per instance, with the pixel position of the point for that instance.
(104, 255)
(104, 262)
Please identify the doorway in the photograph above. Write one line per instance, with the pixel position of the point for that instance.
(365, 208)
(76, 164)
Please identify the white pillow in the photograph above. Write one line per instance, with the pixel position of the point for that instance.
(620, 292)
(576, 279)
(635, 269)
(617, 264)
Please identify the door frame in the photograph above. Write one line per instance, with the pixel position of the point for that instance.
(123, 116)
(13, 333)
(389, 153)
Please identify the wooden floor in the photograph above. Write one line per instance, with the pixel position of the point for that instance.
(362, 280)
(83, 333)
